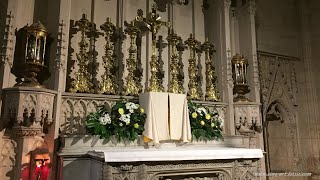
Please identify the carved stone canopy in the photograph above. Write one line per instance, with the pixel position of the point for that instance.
(162, 4)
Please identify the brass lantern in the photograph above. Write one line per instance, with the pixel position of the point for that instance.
(30, 63)
(239, 74)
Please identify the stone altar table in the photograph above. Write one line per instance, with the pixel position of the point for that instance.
(112, 161)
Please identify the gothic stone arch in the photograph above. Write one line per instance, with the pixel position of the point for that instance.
(278, 92)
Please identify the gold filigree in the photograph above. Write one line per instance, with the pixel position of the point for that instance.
(194, 90)
(82, 83)
(153, 23)
(108, 84)
(132, 86)
(175, 85)
(211, 90)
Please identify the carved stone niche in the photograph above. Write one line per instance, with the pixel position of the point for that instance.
(247, 118)
(27, 111)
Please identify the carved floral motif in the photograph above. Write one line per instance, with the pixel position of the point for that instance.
(6, 52)
(27, 111)
(60, 63)
(74, 112)
(279, 91)
(220, 170)
(247, 119)
(7, 156)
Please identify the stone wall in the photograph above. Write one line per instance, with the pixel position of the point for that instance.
(311, 136)
(278, 32)
(293, 29)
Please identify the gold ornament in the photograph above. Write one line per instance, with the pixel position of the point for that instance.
(30, 62)
(211, 91)
(132, 86)
(153, 23)
(82, 83)
(175, 86)
(108, 84)
(239, 73)
(194, 90)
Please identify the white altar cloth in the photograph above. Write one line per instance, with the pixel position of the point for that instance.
(167, 116)
(179, 154)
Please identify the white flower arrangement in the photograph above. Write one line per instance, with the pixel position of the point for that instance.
(125, 122)
(131, 119)
(106, 119)
(205, 124)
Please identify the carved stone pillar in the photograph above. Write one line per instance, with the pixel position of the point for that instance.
(248, 122)
(247, 118)
(226, 72)
(27, 115)
(7, 156)
(247, 41)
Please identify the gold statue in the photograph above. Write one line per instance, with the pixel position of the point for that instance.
(153, 23)
(194, 92)
(211, 91)
(132, 86)
(82, 82)
(108, 84)
(175, 86)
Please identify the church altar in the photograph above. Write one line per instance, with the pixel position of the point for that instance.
(88, 157)
(104, 56)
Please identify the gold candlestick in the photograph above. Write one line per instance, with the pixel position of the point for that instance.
(153, 23)
(108, 84)
(132, 86)
(194, 90)
(175, 86)
(211, 91)
(82, 83)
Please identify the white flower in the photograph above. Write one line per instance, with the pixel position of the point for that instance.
(125, 118)
(221, 121)
(131, 110)
(130, 105)
(202, 111)
(122, 117)
(105, 119)
(101, 120)
(121, 124)
(127, 121)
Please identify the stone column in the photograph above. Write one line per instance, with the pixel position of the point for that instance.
(19, 14)
(7, 156)
(309, 116)
(27, 115)
(248, 48)
(59, 80)
(222, 38)
(247, 42)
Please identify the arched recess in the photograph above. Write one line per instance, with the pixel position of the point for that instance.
(280, 137)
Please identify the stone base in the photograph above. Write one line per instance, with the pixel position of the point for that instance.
(93, 167)
(88, 157)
